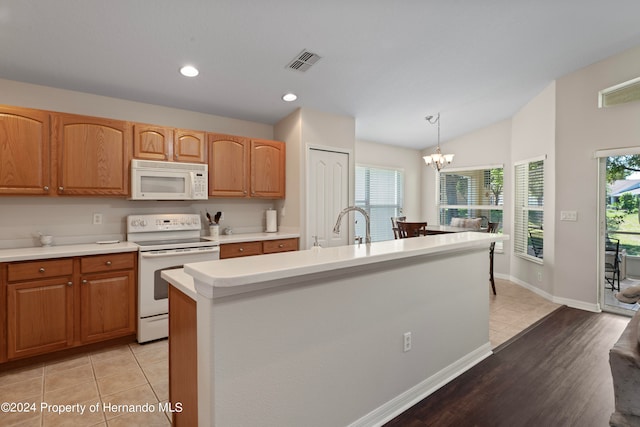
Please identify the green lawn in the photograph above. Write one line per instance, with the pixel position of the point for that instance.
(631, 243)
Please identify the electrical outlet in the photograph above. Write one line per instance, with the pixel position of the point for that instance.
(406, 341)
(539, 276)
(97, 218)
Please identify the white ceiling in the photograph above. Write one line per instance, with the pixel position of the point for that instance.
(386, 63)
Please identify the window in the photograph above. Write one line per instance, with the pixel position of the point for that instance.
(471, 193)
(379, 192)
(528, 234)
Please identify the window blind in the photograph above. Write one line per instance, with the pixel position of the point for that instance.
(472, 193)
(379, 191)
(528, 224)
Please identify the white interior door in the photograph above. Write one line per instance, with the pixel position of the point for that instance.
(328, 194)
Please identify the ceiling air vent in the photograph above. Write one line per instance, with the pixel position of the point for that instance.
(303, 61)
(622, 93)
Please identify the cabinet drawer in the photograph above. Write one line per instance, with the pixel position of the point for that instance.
(93, 264)
(232, 250)
(39, 269)
(280, 245)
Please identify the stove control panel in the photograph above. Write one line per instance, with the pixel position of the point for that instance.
(166, 222)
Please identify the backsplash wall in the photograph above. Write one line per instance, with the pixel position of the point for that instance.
(70, 220)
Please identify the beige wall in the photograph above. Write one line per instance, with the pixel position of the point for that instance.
(408, 160)
(583, 128)
(485, 147)
(533, 135)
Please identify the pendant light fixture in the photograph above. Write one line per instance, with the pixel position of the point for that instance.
(437, 160)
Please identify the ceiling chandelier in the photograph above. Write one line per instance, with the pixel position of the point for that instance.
(437, 160)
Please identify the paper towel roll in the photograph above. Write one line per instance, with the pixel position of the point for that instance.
(272, 221)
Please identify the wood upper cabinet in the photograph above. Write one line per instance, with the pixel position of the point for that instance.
(228, 165)
(92, 155)
(24, 151)
(189, 146)
(268, 169)
(152, 142)
(39, 307)
(243, 167)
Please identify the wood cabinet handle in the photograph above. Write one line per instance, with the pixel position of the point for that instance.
(46, 188)
(241, 250)
(84, 281)
(41, 270)
(108, 263)
(69, 283)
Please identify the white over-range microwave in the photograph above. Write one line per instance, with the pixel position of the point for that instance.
(154, 180)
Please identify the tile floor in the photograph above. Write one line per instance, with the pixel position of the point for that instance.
(514, 309)
(138, 374)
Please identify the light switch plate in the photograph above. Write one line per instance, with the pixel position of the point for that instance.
(568, 216)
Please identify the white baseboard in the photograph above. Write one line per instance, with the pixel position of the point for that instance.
(573, 303)
(404, 401)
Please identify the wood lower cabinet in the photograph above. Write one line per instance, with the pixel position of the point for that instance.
(235, 250)
(93, 155)
(39, 307)
(24, 151)
(54, 304)
(183, 358)
(108, 297)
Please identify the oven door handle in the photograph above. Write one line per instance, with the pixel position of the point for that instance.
(167, 254)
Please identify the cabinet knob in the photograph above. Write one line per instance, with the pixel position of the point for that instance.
(281, 245)
(61, 188)
(241, 249)
(244, 192)
(84, 281)
(41, 270)
(46, 188)
(69, 283)
(108, 263)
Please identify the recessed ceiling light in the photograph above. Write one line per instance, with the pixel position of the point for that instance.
(189, 71)
(289, 97)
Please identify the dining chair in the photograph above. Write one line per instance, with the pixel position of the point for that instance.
(492, 227)
(612, 262)
(411, 229)
(394, 225)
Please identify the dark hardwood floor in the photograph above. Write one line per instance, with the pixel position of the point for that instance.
(556, 374)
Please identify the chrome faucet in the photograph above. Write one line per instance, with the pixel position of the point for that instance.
(336, 229)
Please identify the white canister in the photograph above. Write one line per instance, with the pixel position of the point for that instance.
(272, 221)
(214, 231)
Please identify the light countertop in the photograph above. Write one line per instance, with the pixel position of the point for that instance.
(25, 254)
(250, 237)
(230, 276)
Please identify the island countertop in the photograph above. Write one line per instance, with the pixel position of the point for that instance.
(232, 276)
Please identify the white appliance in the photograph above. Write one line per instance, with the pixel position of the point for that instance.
(153, 180)
(165, 242)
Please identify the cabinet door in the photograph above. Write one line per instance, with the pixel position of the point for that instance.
(24, 151)
(92, 155)
(107, 306)
(189, 146)
(39, 317)
(152, 142)
(268, 169)
(228, 165)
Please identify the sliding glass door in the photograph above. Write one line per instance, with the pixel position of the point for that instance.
(619, 230)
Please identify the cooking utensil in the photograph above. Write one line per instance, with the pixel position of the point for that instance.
(209, 218)
(216, 218)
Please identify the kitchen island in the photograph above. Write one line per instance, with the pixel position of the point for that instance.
(351, 335)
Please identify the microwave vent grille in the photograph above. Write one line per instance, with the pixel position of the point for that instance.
(150, 164)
